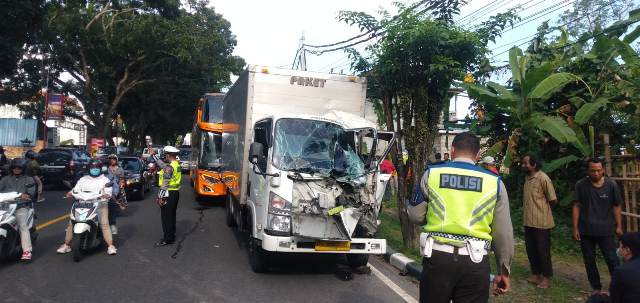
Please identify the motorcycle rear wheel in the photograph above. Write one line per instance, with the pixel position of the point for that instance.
(76, 247)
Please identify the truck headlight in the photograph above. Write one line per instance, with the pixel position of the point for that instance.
(278, 205)
(279, 225)
(279, 218)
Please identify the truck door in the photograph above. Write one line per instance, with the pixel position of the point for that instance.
(257, 189)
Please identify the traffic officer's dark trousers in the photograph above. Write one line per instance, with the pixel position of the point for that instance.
(452, 277)
(168, 216)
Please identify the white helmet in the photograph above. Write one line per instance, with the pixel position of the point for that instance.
(170, 149)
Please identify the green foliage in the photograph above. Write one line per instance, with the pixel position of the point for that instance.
(419, 56)
(19, 20)
(133, 58)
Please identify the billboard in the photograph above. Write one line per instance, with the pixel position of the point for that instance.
(55, 106)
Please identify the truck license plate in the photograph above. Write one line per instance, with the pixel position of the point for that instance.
(333, 245)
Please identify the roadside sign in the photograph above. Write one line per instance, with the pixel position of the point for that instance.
(55, 106)
(99, 142)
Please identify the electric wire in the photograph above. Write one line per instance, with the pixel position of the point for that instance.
(583, 39)
(482, 8)
(553, 28)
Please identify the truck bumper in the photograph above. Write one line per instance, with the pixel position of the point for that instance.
(302, 245)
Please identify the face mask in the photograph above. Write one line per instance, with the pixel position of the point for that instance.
(94, 172)
(104, 169)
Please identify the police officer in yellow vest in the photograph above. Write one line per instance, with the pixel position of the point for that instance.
(169, 193)
(466, 215)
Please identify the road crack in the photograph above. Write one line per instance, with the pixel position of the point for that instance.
(187, 234)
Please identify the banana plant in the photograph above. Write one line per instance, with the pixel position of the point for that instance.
(522, 104)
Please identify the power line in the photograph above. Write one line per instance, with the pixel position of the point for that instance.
(480, 17)
(482, 8)
(584, 39)
(559, 26)
(529, 19)
(373, 33)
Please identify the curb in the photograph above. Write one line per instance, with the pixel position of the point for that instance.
(404, 264)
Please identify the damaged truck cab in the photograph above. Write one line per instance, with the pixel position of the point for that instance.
(306, 177)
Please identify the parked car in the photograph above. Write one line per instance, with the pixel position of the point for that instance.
(63, 165)
(185, 159)
(146, 152)
(111, 150)
(138, 179)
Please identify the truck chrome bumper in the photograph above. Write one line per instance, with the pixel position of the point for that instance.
(302, 245)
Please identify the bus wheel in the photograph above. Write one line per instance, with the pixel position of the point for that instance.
(230, 220)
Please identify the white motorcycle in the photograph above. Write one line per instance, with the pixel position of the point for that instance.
(10, 247)
(87, 234)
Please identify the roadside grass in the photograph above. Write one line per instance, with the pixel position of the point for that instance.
(569, 283)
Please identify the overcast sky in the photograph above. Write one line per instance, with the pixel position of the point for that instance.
(269, 32)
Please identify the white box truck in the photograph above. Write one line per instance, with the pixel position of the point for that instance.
(301, 164)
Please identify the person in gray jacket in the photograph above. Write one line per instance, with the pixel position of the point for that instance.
(18, 182)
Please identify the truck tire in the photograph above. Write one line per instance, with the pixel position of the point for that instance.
(230, 219)
(76, 247)
(357, 260)
(257, 256)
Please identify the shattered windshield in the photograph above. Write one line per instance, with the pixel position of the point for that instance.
(311, 146)
(210, 150)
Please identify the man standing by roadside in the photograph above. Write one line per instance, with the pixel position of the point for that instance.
(446, 157)
(466, 215)
(538, 198)
(169, 194)
(597, 219)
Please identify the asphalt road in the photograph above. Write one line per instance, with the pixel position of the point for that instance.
(208, 263)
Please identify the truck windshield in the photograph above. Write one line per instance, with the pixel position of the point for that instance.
(210, 150)
(311, 146)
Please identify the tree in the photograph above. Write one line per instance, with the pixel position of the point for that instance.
(411, 69)
(585, 87)
(110, 50)
(588, 16)
(19, 21)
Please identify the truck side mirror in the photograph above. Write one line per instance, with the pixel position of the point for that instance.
(256, 153)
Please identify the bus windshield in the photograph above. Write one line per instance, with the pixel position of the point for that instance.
(212, 110)
(210, 150)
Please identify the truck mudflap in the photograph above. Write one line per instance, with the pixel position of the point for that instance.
(302, 245)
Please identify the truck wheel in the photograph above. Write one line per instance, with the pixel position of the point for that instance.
(357, 260)
(230, 219)
(257, 256)
(3, 242)
(76, 246)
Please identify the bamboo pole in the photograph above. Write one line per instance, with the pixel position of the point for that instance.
(628, 214)
(625, 179)
(634, 198)
(626, 189)
(607, 154)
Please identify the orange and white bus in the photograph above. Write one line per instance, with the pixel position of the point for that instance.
(206, 141)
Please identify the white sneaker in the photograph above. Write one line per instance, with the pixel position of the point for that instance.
(114, 230)
(111, 250)
(64, 248)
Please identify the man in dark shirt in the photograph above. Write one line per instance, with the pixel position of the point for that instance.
(597, 220)
(625, 281)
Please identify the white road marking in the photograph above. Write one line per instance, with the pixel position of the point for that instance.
(397, 289)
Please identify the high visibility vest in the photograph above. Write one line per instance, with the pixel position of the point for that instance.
(462, 198)
(176, 178)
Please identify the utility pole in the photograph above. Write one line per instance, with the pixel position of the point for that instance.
(303, 55)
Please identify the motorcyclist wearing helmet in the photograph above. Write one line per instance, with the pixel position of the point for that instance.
(94, 181)
(17, 181)
(116, 174)
(33, 170)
